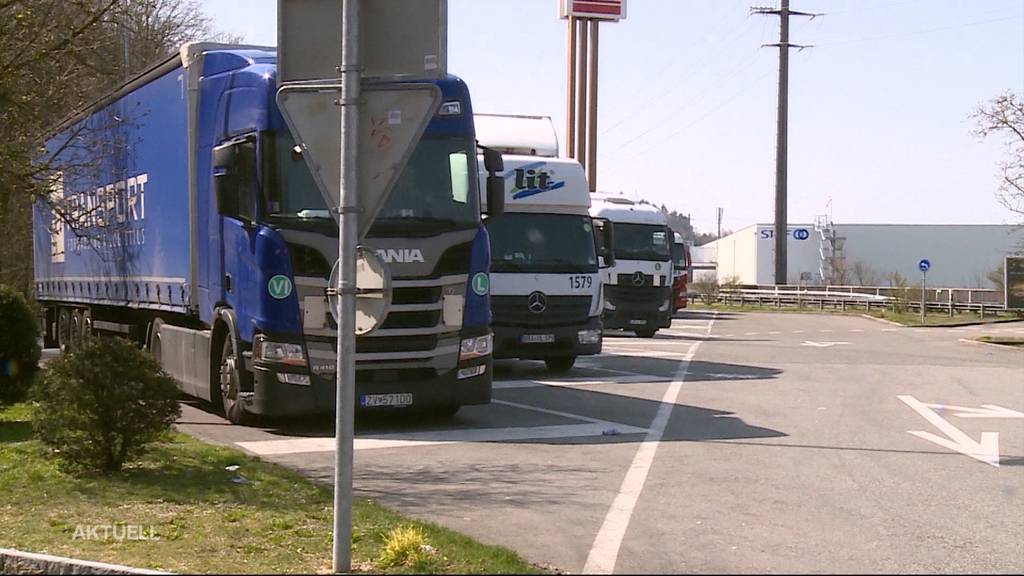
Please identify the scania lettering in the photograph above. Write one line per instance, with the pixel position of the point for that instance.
(201, 234)
(545, 248)
(638, 288)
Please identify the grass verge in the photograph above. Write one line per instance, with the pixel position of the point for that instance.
(1013, 341)
(193, 514)
(904, 318)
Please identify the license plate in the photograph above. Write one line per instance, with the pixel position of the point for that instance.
(375, 400)
(638, 322)
(538, 338)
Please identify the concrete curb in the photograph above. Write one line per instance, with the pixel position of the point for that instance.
(883, 320)
(990, 344)
(17, 562)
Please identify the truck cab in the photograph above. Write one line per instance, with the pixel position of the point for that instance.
(638, 288)
(546, 249)
(680, 270)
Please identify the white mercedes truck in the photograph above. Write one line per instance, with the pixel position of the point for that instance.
(546, 249)
(638, 287)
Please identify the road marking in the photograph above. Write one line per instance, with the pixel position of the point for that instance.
(825, 330)
(570, 382)
(641, 353)
(856, 329)
(750, 334)
(890, 329)
(774, 332)
(986, 411)
(986, 451)
(605, 550)
(822, 344)
(799, 331)
(441, 437)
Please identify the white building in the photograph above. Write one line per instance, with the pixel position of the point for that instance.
(961, 255)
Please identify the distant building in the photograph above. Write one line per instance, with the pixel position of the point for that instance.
(961, 255)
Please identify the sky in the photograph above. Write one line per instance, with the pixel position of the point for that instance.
(879, 107)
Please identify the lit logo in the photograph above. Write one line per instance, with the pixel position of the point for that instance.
(402, 255)
(530, 180)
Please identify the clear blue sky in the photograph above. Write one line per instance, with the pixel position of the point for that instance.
(879, 109)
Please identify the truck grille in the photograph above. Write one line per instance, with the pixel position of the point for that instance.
(630, 294)
(559, 311)
(627, 280)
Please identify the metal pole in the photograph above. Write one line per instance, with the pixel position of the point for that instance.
(592, 112)
(581, 93)
(348, 236)
(924, 281)
(781, 148)
(570, 91)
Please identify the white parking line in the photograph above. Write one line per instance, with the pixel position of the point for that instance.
(774, 333)
(570, 382)
(856, 330)
(605, 550)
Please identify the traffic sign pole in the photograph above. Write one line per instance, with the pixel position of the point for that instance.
(923, 266)
(348, 236)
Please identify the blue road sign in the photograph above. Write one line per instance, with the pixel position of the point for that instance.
(924, 264)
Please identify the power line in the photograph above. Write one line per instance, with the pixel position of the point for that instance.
(925, 31)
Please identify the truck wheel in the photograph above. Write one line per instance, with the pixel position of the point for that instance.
(231, 386)
(76, 329)
(446, 410)
(64, 330)
(647, 332)
(86, 333)
(560, 363)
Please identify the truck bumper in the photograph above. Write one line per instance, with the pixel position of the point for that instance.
(636, 317)
(274, 398)
(508, 341)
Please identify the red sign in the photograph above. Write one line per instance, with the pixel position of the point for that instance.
(600, 9)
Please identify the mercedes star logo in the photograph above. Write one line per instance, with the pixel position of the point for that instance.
(638, 279)
(537, 302)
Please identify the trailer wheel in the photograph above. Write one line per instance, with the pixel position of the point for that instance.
(76, 328)
(231, 386)
(86, 325)
(64, 330)
(647, 332)
(560, 363)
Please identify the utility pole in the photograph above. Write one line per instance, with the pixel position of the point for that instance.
(720, 211)
(782, 142)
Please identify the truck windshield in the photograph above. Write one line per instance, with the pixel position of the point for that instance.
(435, 192)
(549, 243)
(641, 242)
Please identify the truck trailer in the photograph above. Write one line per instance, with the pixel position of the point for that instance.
(183, 215)
(638, 288)
(546, 249)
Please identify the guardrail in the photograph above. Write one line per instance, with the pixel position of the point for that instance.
(842, 300)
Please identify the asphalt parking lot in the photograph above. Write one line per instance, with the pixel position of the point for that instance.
(728, 443)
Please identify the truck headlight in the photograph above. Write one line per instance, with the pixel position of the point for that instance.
(475, 347)
(589, 336)
(280, 352)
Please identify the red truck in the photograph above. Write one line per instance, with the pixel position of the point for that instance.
(680, 270)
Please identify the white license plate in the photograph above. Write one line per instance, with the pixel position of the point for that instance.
(538, 338)
(638, 322)
(375, 400)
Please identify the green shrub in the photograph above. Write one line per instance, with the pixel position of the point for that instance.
(102, 404)
(19, 348)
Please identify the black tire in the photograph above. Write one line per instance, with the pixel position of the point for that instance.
(647, 332)
(560, 363)
(229, 386)
(86, 331)
(76, 328)
(50, 330)
(155, 343)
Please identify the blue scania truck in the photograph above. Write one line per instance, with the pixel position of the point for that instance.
(183, 215)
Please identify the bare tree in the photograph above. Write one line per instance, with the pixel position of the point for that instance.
(863, 274)
(1004, 116)
(56, 57)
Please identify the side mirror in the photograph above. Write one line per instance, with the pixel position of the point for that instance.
(493, 161)
(604, 238)
(495, 195)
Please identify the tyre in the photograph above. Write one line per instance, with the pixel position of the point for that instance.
(76, 328)
(230, 386)
(446, 410)
(647, 332)
(560, 363)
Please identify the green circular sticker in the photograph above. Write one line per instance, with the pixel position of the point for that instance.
(481, 283)
(279, 286)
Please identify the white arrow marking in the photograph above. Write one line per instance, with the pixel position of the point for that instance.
(986, 451)
(822, 344)
(986, 411)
